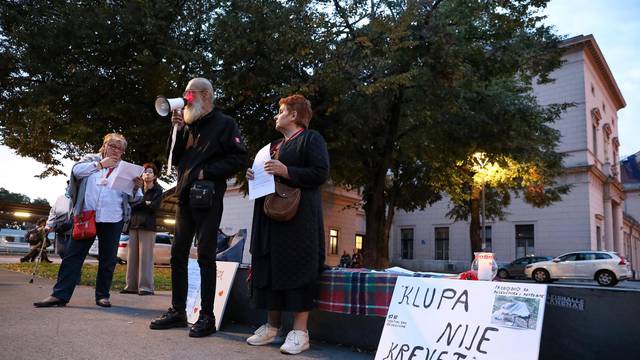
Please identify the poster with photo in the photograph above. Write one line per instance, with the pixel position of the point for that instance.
(459, 319)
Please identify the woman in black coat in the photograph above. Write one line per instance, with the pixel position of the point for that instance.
(287, 256)
(142, 235)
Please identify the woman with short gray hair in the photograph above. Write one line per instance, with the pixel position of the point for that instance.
(112, 209)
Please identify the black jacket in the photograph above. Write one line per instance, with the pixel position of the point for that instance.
(212, 143)
(143, 214)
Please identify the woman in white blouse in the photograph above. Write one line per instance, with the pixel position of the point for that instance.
(112, 210)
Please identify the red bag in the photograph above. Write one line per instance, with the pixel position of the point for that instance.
(84, 225)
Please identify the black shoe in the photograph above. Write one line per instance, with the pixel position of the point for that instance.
(104, 302)
(170, 319)
(50, 302)
(206, 325)
(123, 291)
(145, 292)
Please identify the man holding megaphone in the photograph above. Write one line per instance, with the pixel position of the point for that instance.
(208, 150)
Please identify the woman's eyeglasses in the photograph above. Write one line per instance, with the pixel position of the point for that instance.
(115, 147)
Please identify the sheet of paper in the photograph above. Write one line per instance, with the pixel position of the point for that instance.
(262, 183)
(123, 175)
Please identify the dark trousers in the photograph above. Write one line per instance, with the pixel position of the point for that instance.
(204, 225)
(62, 241)
(76, 252)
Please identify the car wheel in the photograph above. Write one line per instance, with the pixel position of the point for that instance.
(503, 274)
(606, 278)
(540, 275)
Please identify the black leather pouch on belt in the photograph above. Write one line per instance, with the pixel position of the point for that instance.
(201, 194)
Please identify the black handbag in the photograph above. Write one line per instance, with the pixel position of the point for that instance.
(201, 194)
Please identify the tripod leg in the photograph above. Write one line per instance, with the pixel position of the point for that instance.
(38, 261)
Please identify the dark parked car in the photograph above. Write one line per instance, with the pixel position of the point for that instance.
(515, 269)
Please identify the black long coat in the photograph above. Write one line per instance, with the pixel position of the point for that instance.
(290, 254)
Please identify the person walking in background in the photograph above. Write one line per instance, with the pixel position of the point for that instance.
(112, 208)
(36, 237)
(208, 151)
(60, 221)
(142, 235)
(288, 256)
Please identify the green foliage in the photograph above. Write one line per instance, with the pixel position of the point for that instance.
(8, 196)
(413, 88)
(78, 70)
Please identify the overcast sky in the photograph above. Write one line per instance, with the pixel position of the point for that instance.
(615, 25)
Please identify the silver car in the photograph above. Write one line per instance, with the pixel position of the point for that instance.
(605, 267)
(161, 249)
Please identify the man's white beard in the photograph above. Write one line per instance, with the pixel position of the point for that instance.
(193, 112)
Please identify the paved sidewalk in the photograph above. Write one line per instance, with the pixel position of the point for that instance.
(82, 330)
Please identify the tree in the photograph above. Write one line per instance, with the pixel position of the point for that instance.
(414, 88)
(403, 91)
(74, 71)
(8, 196)
(502, 177)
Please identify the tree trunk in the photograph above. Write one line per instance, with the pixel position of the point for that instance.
(376, 245)
(474, 226)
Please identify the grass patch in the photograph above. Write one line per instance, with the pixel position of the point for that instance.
(161, 276)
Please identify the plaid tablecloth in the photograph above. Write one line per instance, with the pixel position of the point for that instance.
(359, 291)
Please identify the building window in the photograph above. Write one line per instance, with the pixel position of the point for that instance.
(604, 108)
(487, 239)
(359, 241)
(599, 237)
(333, 241)
(524, 241)
(406, 243)
(593, 90)
(594, 139)
(442, 243)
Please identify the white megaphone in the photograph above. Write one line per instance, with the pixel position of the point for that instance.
(164, 106)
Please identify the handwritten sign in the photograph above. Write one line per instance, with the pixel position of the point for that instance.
(437, 319)
(226, 272)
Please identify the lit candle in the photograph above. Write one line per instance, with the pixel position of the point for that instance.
(485, 271)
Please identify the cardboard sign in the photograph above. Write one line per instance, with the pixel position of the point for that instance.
(226, 272)
(436, 319)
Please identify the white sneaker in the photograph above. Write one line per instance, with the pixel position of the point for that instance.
(266, 334)
(297, 341)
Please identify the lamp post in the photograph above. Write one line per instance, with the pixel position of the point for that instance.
(481, 160)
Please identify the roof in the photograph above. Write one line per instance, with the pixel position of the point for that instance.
(589, 44)
(630, 169)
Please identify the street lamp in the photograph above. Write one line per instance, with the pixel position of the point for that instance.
(481, 160)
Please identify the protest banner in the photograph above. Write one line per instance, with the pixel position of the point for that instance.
(435, 319)
(226, 272)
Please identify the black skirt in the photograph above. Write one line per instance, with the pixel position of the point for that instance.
(295, 300)
(264, 297)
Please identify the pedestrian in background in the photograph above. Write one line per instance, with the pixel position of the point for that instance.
(60, 221)
(142, 235)
(36, 237)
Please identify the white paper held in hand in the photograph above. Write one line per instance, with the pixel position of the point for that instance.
(123, 175)
(263, 183)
